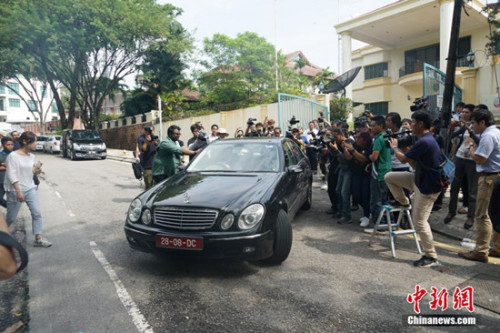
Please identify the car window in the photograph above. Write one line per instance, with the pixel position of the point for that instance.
(288, 154)
(238, 156)
(296, 153)
(57, 137)
(41, 138)
(85, 135)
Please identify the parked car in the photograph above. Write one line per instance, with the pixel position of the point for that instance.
(40, 141)
(83, 144)
(52, 145)
(234, 200)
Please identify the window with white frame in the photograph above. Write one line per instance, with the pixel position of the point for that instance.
(2, 89)
(13, 88)
(15, 102)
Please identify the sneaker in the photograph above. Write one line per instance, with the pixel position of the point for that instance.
(343, 220)
(42, 242)
(426, 261)
(364, 222)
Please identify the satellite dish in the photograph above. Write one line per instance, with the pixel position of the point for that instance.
(341, 81)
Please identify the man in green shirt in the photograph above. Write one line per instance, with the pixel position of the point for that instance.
(168, 155)
(381, 164)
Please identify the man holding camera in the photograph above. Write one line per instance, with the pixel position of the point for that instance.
(148, 151)
(147, 132)
(311, 152)
(198, 140)
(423, 156)
(487, 159)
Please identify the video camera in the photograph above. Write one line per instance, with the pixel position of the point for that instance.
(419, 103)
(405, 139)
(291, 122)
(251, 121)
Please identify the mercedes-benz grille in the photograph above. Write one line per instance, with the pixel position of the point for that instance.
(185, 218)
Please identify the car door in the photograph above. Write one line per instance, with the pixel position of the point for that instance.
(291, 178)
(302, 184)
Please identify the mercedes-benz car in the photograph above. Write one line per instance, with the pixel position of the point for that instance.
(235, 199)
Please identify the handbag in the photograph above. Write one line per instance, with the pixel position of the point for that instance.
(8, 240)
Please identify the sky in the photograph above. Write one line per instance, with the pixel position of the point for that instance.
(305, 25)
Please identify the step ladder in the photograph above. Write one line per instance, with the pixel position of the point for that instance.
(394, 228)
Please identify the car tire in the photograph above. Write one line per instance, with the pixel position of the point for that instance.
(282, 240)
(103, 158)
(308, 203)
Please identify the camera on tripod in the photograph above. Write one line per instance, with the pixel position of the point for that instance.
(419, 103)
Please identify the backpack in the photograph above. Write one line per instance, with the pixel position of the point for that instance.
(445, 171)
(137, 167)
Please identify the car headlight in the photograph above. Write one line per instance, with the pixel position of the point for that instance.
(227, 222)
(146, 217)
(103, 146)
(134, 211)
(250, 216)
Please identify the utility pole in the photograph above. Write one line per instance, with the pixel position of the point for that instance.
(450, 69)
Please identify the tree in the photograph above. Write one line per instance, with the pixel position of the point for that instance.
(340, 107)
(88, 46)
(239, 69)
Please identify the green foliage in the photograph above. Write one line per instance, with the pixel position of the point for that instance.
(238, 70)
(139, 101)
(340, 107)
(88, 46)
(493, 44)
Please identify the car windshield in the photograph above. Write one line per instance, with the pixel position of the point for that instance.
(42, 138)
(85, 135)
(238, 156)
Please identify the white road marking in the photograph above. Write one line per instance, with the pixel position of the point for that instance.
(71, 213)
(58, 195)
(127, 301)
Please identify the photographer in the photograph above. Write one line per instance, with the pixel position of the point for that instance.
(251, 128)
(297, 137)
(199, 138)
(344, 156)
(148, 151)
(360, 184)
(147, 131)
(424, 156)
(465, 168)
(311, 151)
(381, 164)
(393, 124)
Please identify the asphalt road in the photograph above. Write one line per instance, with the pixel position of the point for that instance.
(91, 281)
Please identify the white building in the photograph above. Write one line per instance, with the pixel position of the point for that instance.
(16, 103)
(404, 35)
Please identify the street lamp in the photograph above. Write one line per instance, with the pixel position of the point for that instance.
(470, 58)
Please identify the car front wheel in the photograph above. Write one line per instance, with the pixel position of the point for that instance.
(282, 240)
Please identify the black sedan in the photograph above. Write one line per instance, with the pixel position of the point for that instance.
(234, 200)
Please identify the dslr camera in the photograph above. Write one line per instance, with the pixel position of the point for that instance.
(405, 139)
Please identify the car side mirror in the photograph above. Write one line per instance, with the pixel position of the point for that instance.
(295, 169)
(181, 167)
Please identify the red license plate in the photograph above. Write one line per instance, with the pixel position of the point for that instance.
(173, 242)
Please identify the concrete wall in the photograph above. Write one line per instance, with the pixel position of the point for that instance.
(118, 135)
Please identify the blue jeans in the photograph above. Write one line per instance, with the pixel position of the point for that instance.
(378, 196)
(31, 199)
(344, 193)
(361, 192)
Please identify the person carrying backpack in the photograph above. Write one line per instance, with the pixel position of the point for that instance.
(425, 157)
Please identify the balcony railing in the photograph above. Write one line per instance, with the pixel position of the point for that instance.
(415, 68)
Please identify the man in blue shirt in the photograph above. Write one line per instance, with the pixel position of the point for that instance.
(424, 155)
(487, 158)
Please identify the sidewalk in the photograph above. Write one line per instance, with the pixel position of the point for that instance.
(454, 230)
(121, 155)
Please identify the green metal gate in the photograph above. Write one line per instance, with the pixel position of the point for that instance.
(434, 80)
(302, 108)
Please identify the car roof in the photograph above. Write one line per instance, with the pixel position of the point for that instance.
(250, 140)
